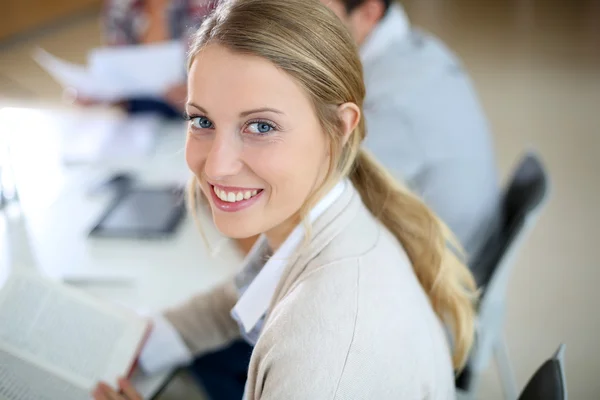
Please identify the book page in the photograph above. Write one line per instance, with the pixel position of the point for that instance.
(67, 332)
(21, 379)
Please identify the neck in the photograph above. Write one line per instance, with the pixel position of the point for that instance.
(277, 235)
(392, 27)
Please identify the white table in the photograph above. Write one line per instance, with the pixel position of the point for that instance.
(59, 212)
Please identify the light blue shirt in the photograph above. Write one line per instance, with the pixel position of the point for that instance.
(425, 124)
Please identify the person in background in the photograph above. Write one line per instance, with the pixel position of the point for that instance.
(138, 22)
(350, 288)
(423, 117)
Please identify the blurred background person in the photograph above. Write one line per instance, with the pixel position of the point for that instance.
(145, 22)
(423, 117)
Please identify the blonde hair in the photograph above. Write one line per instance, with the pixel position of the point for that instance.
(305, 39)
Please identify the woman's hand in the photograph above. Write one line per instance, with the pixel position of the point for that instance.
(105, 392)
(71, 96)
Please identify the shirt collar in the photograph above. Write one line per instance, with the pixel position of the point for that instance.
(255, 301)
(393, 26)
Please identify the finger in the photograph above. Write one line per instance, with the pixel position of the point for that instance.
(97, 394)
(109, 393)
(128, 390)
(101, 392)
(70, 95)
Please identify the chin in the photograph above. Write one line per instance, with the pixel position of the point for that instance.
(233, 228)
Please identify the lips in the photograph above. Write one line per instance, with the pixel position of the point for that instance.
(230, 199)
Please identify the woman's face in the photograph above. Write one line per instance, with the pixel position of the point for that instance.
(254, 142)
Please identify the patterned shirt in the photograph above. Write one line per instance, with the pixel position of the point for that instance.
(125, 21)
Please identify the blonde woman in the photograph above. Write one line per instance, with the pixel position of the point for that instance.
(347, 291)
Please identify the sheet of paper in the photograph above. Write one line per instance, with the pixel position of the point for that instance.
(107, 139)
(148, 69)
(117, 73)
(78, 77)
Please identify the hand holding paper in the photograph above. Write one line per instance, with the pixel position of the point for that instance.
(118, 73)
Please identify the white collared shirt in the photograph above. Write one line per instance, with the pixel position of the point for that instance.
(256, 298)
(256, 287)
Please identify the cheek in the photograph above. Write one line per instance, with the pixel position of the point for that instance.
(291, 168)
(195, 155)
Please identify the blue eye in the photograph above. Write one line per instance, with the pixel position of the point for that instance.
(201, 123)
(260, 128)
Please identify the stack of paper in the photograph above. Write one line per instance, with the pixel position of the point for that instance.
(110, 139)
(117, 73)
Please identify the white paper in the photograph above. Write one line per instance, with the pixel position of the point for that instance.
(78, 77)
(101, 139)
(53, 328)
(117, 73)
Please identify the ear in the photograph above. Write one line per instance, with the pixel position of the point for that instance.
(349, 115)
(373, 10)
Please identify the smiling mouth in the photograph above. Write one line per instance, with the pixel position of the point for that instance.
(235, 195)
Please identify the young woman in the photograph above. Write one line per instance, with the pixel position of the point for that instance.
(352, 288)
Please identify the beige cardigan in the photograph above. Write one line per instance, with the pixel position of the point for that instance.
(349, 320)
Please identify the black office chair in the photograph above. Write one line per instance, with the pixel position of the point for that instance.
(521, 204)
(549, 381)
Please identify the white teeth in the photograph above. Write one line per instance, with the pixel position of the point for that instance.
(232, 197)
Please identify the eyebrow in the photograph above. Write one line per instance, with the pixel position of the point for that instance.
(257, 110)
(244, 113)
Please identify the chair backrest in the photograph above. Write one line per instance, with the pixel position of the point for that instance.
(520, 205)
(549, 381)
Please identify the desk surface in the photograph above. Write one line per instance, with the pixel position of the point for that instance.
(59, 212)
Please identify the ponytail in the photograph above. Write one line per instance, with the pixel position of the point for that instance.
(446, 280)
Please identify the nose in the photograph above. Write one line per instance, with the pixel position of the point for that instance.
(223, 159)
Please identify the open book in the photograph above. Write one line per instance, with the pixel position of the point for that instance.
(58, 343)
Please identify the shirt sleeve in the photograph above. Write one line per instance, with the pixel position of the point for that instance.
(164, 348)
(204, 322)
